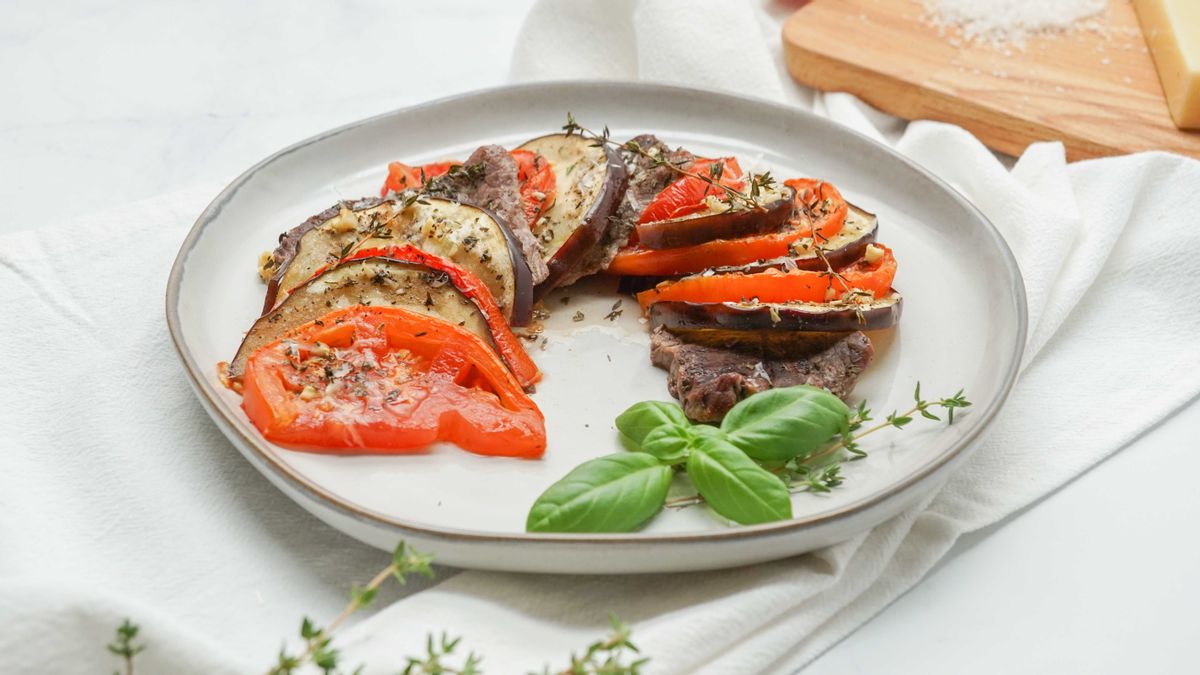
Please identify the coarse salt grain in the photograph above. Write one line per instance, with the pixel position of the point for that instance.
(1011, 22)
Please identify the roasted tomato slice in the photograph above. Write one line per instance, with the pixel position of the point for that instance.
(821, 212)
(402, 176)
(507, 343)
(639, 261)
(873, 272)
(538, 186)
(535, 175)
(820, 208)
(435, 169)
(387, 380)
(688, 194)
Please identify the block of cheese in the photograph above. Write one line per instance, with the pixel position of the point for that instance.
(1172, 30)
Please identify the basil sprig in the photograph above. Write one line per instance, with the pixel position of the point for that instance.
(614, 493)
(734, 486)
(621, 492)
(641, 418)
(779, 424)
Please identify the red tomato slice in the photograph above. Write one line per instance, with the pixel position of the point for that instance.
(435, 169)
(820, 208)
(687, 194)
(402, 176)
(814, 218)
(507, 343)
(537, 183)
(387, 380)
(778, 286)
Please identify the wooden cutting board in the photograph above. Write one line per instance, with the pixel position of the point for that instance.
(1097, 93)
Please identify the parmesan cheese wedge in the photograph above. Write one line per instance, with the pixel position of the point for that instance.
(1172, 30)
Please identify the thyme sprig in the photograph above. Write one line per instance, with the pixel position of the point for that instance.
(405, 561)
(379, 229)
(123, 645)
(608, 656)
(820, 472)
(436, 653)
(759, 182)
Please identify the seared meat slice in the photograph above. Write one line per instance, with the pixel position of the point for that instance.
(488, 179)
(646, 180)
(708, 381)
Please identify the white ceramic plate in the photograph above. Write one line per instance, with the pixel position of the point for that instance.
(963, 326)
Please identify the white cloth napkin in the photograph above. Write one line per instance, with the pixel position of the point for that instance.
(1107, 252)
(119, 498)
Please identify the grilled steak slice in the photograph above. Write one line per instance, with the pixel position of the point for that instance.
(646, 180)
(488, 179)
(708, 381)
(646, 177)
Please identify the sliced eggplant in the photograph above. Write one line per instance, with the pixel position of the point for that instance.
(591, 182)
(769, 343)
(464, 234)
(720, 220)
(841, 249)
(831, 317)
(376, 282)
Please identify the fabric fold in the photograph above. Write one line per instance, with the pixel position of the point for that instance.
(111, 435)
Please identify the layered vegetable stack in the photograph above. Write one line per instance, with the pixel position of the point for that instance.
(386, 322)
(750, 285)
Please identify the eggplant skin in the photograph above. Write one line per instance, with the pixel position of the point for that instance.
(798, 316)
(465, 234)
(289, 243)
(732, 224)
(585, 210)
(842, 249)
(768, 343)
(376, 282)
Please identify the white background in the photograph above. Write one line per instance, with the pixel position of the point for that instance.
(106, 104)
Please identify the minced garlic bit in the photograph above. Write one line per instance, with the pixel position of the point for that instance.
(715, 203)
(873, 254)
(344, 221)
(775, 318)
(309, 393)
(266, 266)
(227, 381)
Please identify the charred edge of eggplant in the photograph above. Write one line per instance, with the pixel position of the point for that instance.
(521, 312)
(597, 221)
(238, 362)
(838, 257)
(805, 317)
(732, 224)
(289, 242)
(776, 344)
(633, 285)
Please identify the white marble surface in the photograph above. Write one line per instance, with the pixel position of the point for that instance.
(112, 102)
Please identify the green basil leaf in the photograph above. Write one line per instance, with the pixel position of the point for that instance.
(614, 493)
(642, 418)
(785, 423)
(734, 486)
(668, 443)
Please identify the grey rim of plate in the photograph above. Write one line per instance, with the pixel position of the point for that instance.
(205, 389)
